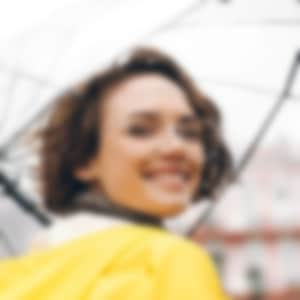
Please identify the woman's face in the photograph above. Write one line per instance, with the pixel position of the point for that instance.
(150, 159)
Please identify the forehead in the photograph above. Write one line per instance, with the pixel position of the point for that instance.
(147, 92)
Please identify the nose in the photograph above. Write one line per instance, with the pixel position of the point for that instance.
(171, 144)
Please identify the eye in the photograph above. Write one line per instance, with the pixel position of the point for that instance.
(191, 133)
(140, 130)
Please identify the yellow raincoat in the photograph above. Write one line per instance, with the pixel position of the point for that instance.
(126, 262)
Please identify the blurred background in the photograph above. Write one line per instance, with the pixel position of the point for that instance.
(245, 54)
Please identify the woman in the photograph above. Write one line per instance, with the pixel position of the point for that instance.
(129, 147)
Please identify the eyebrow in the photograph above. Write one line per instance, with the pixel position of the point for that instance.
(190, 119)
(145, 115)
(150, 115)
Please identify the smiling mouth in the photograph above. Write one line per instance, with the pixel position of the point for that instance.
(172, 179)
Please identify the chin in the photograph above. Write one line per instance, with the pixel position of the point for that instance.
(171, 209)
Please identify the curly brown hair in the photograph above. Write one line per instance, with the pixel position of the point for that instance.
(70, 138)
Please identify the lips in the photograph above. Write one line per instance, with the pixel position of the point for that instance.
(169, 177)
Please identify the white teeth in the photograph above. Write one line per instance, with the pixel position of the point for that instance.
(180, 175)
(163, 176)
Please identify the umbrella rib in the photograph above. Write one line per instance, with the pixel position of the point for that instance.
(250, 151)
(269, 119)
(6, 242)
(10, 189)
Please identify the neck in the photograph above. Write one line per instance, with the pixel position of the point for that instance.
(98, 204)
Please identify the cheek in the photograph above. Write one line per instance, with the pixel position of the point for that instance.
(121, 162)
(197, 156)
(121, 178)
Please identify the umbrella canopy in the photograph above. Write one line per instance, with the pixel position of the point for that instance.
(239, 52)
